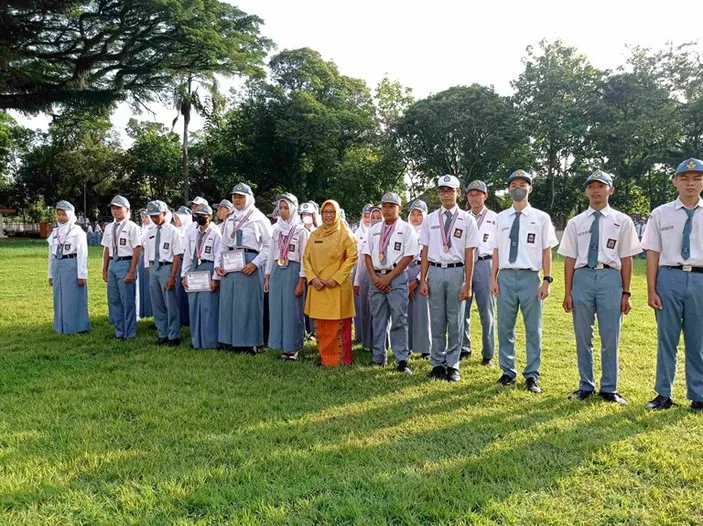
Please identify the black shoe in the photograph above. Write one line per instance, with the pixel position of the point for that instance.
(453, 375)
(251, 350)
(531, 386)
(506, 380)
(464, 355)
(403, 368)
(438, 372)
(581, 395)
(660, 403)
(376, 364)
(424, 356)
(487, 362)
(697, 405)
(161, 341)
(614, 398)
(174, 343)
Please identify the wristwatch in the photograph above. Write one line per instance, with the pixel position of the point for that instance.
(548, 279)
(626, 293)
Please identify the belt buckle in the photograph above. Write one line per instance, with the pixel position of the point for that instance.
(687, 268)
(443, 265)
(599, 266)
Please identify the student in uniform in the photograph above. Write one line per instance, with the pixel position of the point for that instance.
(476, 195)
(598, 245)
(97, 233)
(673, 240)
(199, 253)
(164, 249)
(309, 216)
(449, 238)
(362, 321)
(419, 331)
(144, 310)
(390, 247)
(285, 279)
(246, 241)
(123, 245)
(183, 220)
(523, 245)
(224, 209)
(89, 232)
(68, 272)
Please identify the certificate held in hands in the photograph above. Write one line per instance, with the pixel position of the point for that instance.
(233, 261)
(198, 281)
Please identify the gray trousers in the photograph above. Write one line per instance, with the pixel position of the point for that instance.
(390, 309)
(481, 287)
(597, 293)
(681, 294)
(164, 303)
(518, 290)
(446, 315)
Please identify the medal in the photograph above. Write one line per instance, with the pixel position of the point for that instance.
(200, 261)
(381, 256)
(446, 248)
(282, 262)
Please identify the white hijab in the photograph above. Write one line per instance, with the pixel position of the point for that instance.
(186, 220)
(424, 216)
(284, 227)
(63, 228)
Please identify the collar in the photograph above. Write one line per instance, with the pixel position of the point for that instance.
(525, 211)
(481, 212)
(452, 210)
(604, 212)
(679, 204)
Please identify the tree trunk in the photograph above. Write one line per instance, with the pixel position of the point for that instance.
(184, 167)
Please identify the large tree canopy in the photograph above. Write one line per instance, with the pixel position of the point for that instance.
(82, 52)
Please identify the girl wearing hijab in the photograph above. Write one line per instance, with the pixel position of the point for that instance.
(183, 220)
(329, 259)
(362, 321)
(201, 248)
(285, 279)
(245, 247)
(68, 272)
(144, 302)
(419, 333)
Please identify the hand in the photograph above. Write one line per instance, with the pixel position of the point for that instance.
(465, 292)
(184, 282)
(423, 289)
(105, 275)
(266, 283)
(381, 283)
(249, 268)
(81, 282)
(220, 271)
(625, 306)
(568, 303)
(495, 288)
(412, 285)
(130, 277)
(147, 269)
(317, 283)
(299, 289)
(331, 283)
(357, 290)
(170, 283)
(51, 282)
(654, 301)
(214, 284)
(543, 291)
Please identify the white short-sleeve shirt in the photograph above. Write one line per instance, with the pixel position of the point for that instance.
(486, 230)
(170, 245)
(617, 238)
(295, 249)
(664, 234)
(402, 243)
(209, 248)
(129, 237)
(536, 234)
(74, 242)
(256, 235)
(463, 235)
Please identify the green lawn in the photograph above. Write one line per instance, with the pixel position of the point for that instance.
(98, 432)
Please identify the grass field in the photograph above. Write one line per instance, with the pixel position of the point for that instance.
(93, 431)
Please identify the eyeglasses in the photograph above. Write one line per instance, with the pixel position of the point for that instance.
(446, 190)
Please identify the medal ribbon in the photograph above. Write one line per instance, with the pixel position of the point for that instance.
(446, 238)
(200, 242)
(386, 232)
(236, 227)
(62, 243)
(284, 242)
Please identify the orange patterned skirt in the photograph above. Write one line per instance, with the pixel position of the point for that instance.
(334, 341)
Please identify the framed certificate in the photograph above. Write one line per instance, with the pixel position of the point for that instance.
(233, 261)
(198, 281)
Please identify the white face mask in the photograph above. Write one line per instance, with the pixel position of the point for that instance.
(307, 220)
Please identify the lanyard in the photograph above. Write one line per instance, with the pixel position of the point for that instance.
(284, 242)
(116, 233)
(386, 232)
(481, 217)
(446, 238)
(63, 243)
(236, 227)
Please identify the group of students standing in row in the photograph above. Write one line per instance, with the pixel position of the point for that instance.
(409, 286)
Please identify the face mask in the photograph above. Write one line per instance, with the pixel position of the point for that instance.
(201, 220)
(307, 220)
(518, 194)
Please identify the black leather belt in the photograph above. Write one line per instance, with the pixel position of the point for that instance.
(123, 258)
(67, 256)
(484, 258)
(160, 263)
(599, 266)
(687, 268)
(446, 265)
(249, 250)
(385, 271)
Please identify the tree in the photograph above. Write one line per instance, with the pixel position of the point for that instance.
(97, 52)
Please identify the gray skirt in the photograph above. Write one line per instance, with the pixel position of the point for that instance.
(70, 300)
(204, 313)
(241, 317)
(286, 316)
(419, 333)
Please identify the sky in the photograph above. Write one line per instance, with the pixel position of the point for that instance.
(431, 46)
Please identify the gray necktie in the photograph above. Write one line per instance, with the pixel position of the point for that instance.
(514, 237)
(114, 241)
(157, 245)
(594, 242)
(686, 241)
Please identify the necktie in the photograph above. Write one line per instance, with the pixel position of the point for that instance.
(514, 237)
(594, 242)
(198, 248)
(114, 241)
(447, 221)
(238, 240)
(686, 241)
(157, 245)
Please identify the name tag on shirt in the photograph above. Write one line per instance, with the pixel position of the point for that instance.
(458, 232)
(531, 238)
(123, 242)
(208, 250)
(166, 245)
(397, 246)
(291, 248)
(611, 243)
